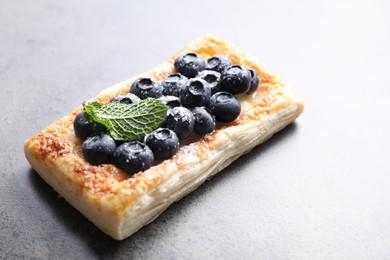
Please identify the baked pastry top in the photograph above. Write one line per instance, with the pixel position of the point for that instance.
(118, 203)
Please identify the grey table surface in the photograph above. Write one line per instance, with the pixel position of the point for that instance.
(320, 189)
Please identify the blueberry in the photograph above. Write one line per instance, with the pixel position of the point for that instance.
(195, 93)
(171, 101)
(204, 121)
(236, 80)
(84, 126)
(181, 121)
(172, 84)
(146, 87)
(98, 149)
(163, 142)
(126, 98)
(254, 81)
(189, 64)
(133, 157)
(225, 107)
(218, 63)
(213, 78)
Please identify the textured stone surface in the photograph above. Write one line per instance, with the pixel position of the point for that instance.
(317, 190)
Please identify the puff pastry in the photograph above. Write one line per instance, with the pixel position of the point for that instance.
(120, 204)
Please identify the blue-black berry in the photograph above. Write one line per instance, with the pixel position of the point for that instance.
(195, 93)
(189, 64)
(84, 126)
(236, 80)
(218, 63)
(98, 149)
(204, 121)
(181, 121)
(225, 107)
(171, 101)
(213, 78)
(146, 87)
(133, 157)
(163, 142)
(254, 81)
(126, 98)
(172, 84)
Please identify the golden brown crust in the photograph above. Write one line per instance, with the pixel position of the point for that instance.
(56, 154)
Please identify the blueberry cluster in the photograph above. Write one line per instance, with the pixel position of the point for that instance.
(198, 95)
(213, 85)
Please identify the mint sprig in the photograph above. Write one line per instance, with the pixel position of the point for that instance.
(128, 122)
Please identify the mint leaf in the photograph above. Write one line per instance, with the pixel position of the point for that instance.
(128, 122)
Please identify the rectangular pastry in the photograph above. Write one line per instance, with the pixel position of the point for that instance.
(120, 203)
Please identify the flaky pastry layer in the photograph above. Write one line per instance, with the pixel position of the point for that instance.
(120, 204)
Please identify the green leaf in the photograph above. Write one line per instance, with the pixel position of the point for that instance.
(128, 122)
